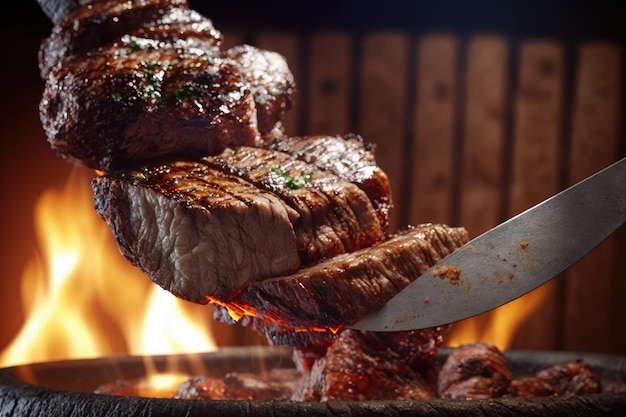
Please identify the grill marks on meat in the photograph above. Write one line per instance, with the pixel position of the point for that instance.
(207, 228)
(348, 157)
(126, 84)
(118, 110)
(334, 216)
(340, 290)
(197, 231)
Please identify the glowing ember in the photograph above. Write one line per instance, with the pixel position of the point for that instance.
(82, 299)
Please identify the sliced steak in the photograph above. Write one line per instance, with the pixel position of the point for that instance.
(335, 216)
(196, 231)
(348, 157)
(304, 309)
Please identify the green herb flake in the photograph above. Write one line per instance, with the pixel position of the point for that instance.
(134, 47)
(291, 182)
(138, 177)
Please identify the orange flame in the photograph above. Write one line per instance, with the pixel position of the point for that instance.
(82, 299)
(498, 326)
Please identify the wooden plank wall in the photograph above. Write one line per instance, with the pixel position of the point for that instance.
(472, 131)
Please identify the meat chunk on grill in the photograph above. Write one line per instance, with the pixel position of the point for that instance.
(334, 216)
(367, 366)
(196, 231)
(474, 371)
(347, 156)
(573, 378)
(127, 85)
(303, 308)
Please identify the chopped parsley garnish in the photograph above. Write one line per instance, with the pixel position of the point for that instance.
(134, 47)
(153, 73)
(293, 183)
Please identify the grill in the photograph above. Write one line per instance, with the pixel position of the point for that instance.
(65, 389)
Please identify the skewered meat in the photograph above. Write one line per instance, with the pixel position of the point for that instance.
(126, 85)
(198, 230)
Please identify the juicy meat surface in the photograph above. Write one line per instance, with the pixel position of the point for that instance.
(196, 231)
(334, 216)
(126, 85)
(367, 366)
(270, 81)
(130, 105)
(207, 228)
(573, 378)
(342, 289)
(348, 157)
(474, 371)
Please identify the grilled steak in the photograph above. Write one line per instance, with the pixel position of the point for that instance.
(334, 216)
(339, 290)
(197, 231)
(347, 156)
(127, 85)
(207, 228)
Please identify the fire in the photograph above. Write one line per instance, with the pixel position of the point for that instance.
(498, 326)
(83, 300)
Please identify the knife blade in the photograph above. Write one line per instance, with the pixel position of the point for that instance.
(511, 259)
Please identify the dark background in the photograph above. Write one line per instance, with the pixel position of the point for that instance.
(28, 166)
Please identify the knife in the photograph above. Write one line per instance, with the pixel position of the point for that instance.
(511, 259)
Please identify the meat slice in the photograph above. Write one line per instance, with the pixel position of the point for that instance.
(334, 216)
(305, 308)
(474, 371)
(365, 366)
(348, 157)
(127, 83)
(196, 231)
